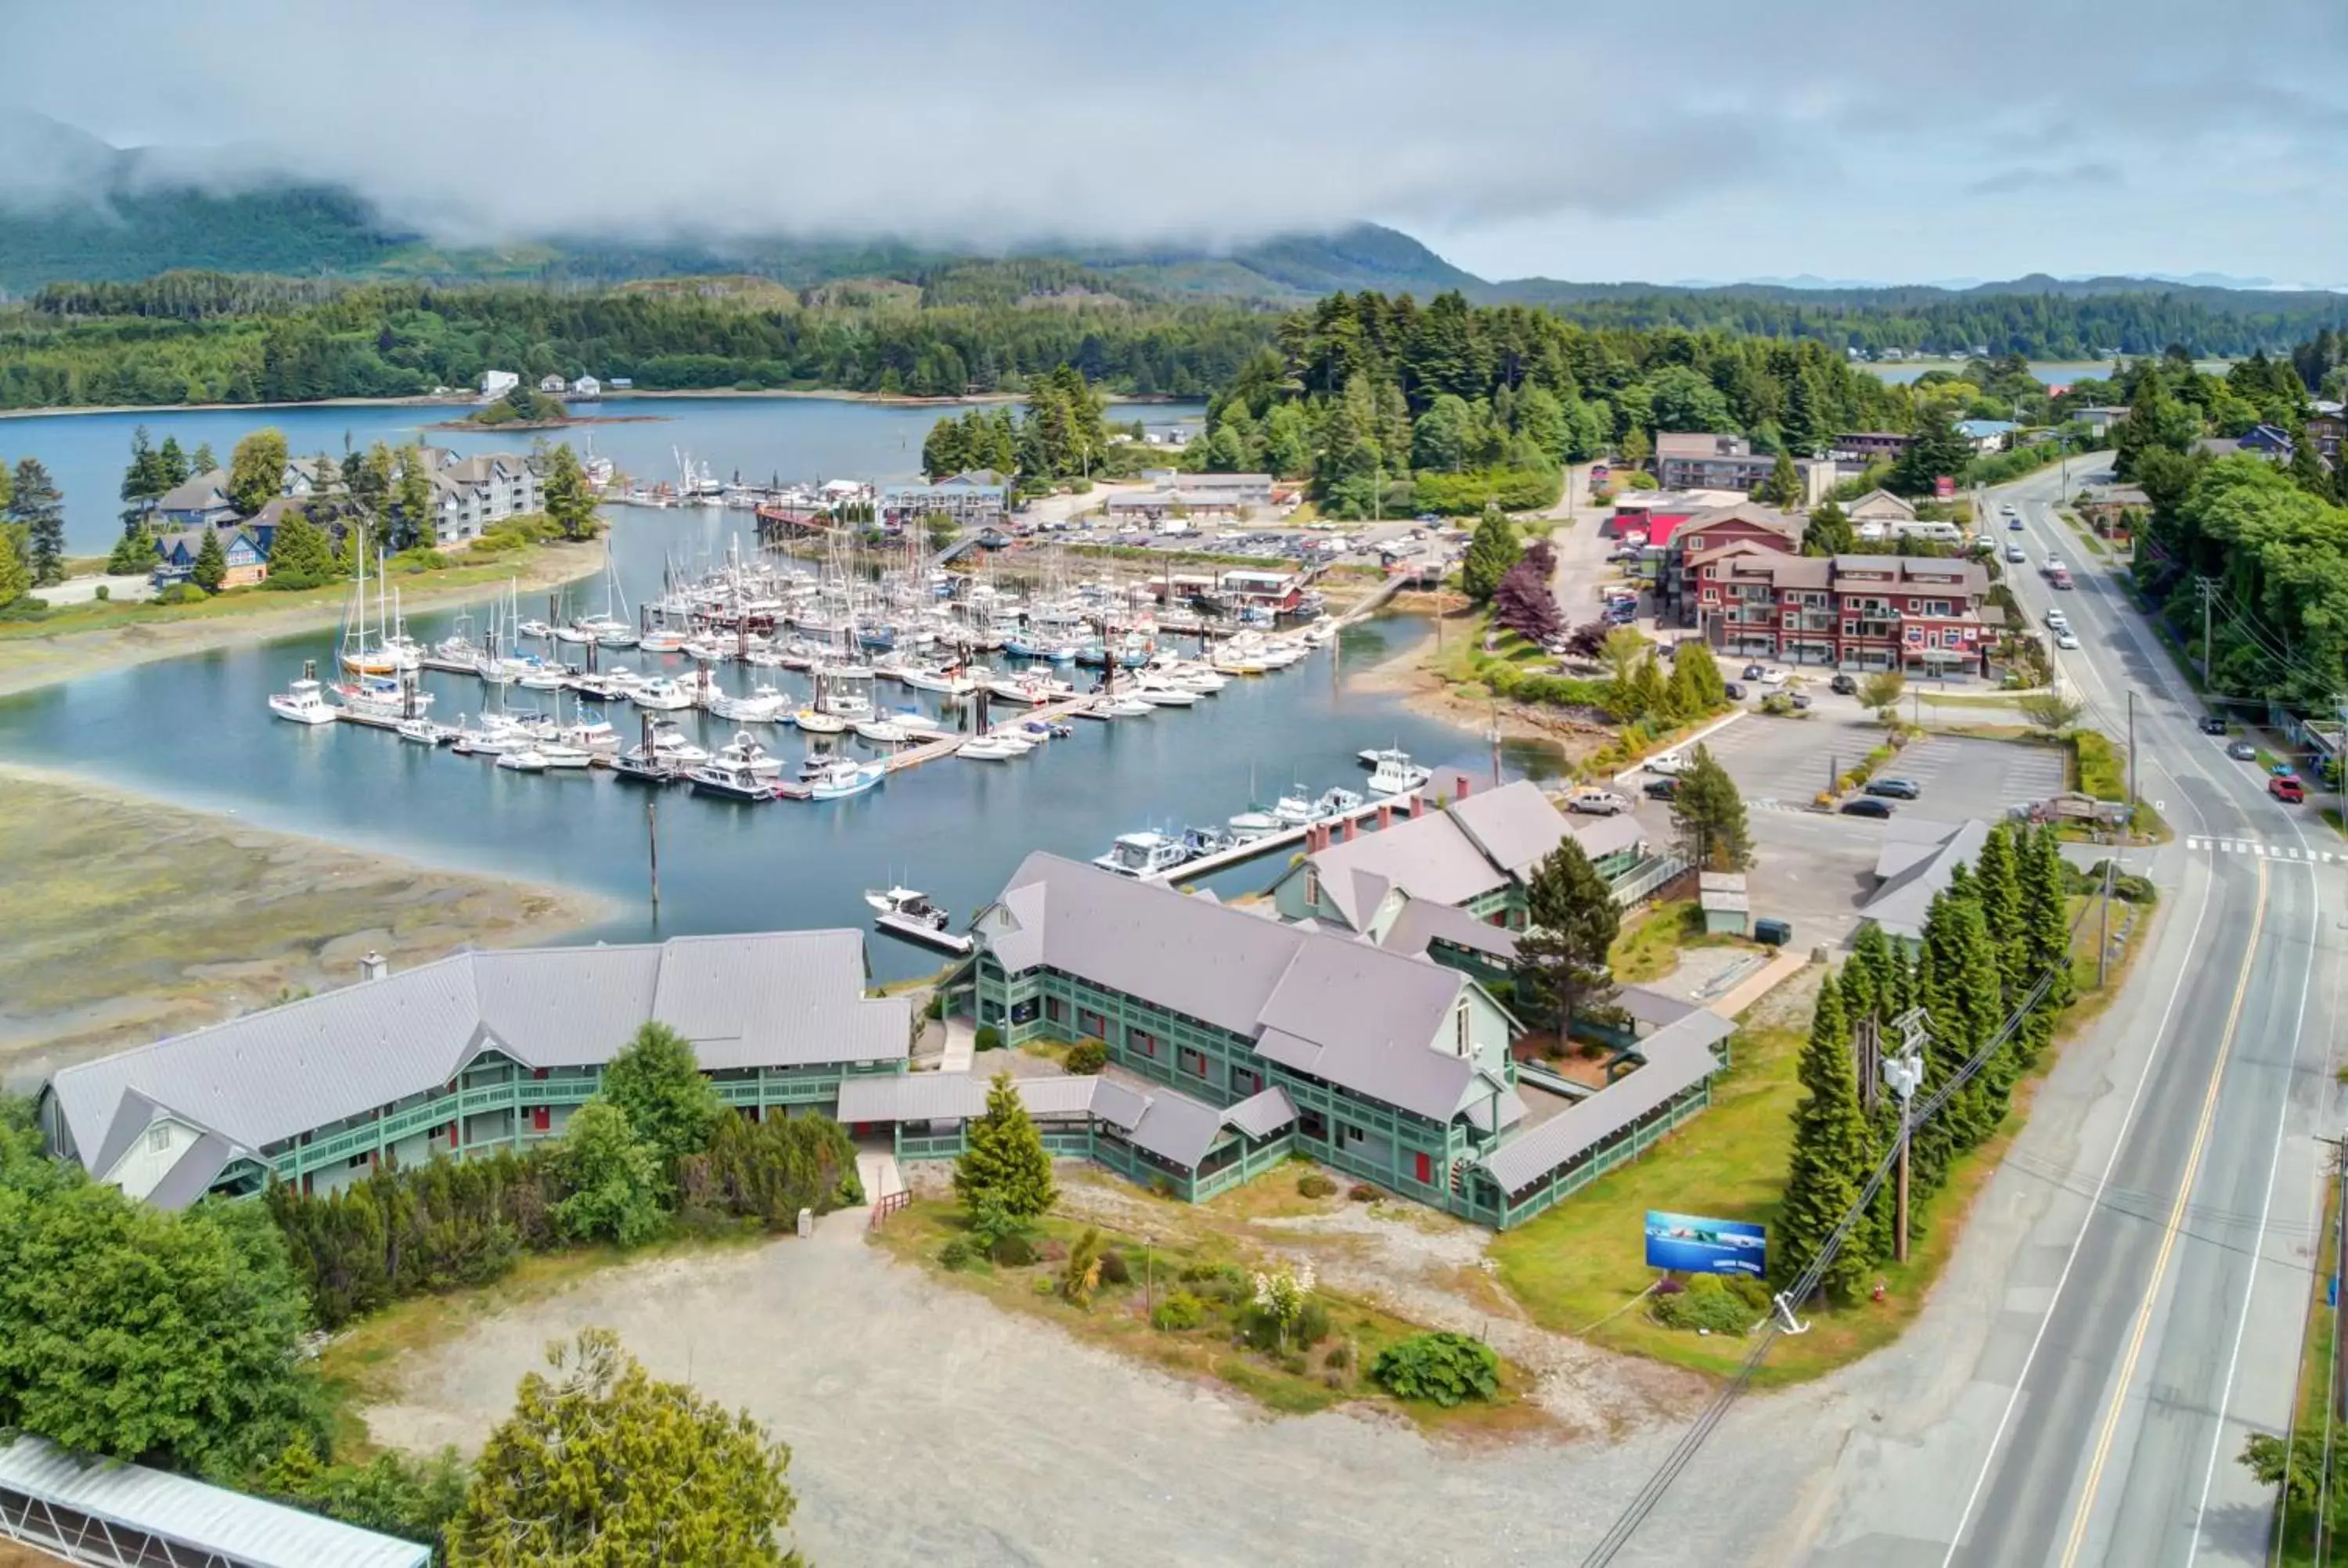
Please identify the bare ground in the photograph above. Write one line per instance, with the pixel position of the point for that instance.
(125, 919)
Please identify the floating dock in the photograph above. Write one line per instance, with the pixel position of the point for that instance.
(1384, 809)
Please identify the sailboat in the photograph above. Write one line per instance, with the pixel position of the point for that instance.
(392, 652)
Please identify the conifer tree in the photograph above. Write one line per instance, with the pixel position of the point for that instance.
(210, 568)
(1490, 554)
(1571, 921)
(299, 553)
(1957, 983)
(1005, 1165)
(37, 511)
(1708, 815)
(1830, 1161)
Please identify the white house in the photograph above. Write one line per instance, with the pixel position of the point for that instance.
(496, 383)
(551, 382)
(586, 389)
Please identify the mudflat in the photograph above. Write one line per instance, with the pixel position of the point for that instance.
(125, 919)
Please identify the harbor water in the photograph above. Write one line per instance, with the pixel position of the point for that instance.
(197, 731)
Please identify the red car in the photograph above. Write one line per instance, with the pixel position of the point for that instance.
(2287, 789)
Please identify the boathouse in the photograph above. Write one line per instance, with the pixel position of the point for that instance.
(1247, 1039)
(479, 1051)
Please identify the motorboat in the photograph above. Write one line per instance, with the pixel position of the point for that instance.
(1157, 694)
(732, 780)
(916, 724)
(761, 705)
(821, 723)
(908, 914)
(595, 736)
(1295, 811)
(1372, 755)
(991, 748)
(661, 694)
(1337, 802)
(663, 639)
(1145, 855)
(1126, 708)
(881, 732)
(1231, 660)
(1253, 823)
(921, 678)
(1394, 773)
(457, 655)
(535, 628)
(744, 751)
(558, 755)
(525, 759)
(1201, 842)
(842, 778)
(303, 702)
(538, 675)
(425, 733)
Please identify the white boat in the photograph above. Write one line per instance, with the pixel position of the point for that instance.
(558, 755)
(991, 748)
(731, 781)
(1126, 708)
(1337, 802)
(592, 736)
(761, 705)
(1281, 655)
(1254, 824)
(663, 639)
(425, 733)
(661, 694)
(303, 702)
(1294, 811)
(919, 920)
(921, 678)
(881, 732)
(528, 760)
(535, 628)
(1145, 853)
(538, 675)
(1234, 660)
(1394, 773)
(1155, 695)
(1372, 755)
(916, 723)
(821, 723)
(744, 753)
(894, 897)
(842, 778)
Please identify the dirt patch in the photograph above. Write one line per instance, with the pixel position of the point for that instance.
(124, 920)
(1411, 676)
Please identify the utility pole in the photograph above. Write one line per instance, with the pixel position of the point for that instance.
(2335, 1402)
(1904, 1073)
(2204, 586)
(2130, 833)
(652, 842)
(2104, 929)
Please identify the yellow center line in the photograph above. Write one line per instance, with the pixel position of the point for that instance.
(2169, 1238)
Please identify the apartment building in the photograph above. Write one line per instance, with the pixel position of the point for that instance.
(1857, 613)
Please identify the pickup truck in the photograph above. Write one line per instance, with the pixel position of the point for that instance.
(1596, 802)
(2059, 578)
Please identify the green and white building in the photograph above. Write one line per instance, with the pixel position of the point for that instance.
(480, 1051)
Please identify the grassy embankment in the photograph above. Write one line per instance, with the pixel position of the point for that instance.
(1580, 1268)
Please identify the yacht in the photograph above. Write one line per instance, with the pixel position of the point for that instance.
(555, 755)
(661, 694)
(905, 913)
(526, 759)
(744, 751)
(762, 705)
(592, 736)
(303, 702)
(1337, 802)
(1394, 773)
(842, 778)
(1159, 696)
(1201, 842)
(921, 678)
(425, 733)
(1146, 855)
(732, 780)
(1295, 811)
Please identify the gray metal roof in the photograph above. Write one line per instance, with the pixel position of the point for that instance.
(1178, 1128)
(911, 1097)
(244, 1531)
(1422, 921)
(775, 1000)
(1514, 826)
(1431, 857)
(1915, 866)
(1260, 1115)
(1678, 1056)
(1601, 836)
(1652, 1007)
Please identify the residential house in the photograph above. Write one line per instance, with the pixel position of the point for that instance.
(1848, 612)
(480, 1051)
(200, 502)
(1880, 506)
(246, 557)
(1988, 435)
(974, 499)
(475, 493)
(305, 476)
(496, 383)
(1236, 1040)
(1869, 447)
(552, 384)
(2266, 441)
(586, 389)
(623, 384)
(2098, 419)
(1703, 460)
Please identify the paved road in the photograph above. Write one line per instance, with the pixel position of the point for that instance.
(2150, 1317)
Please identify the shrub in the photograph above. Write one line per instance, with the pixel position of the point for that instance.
(2101, 774)
(936, 1006)
(1708, 1304)
(104, 592)
(1180, 1311)
(955, 1254)
(25, 607)
(1314, 1184)
(1750, 1291)
(1341, 1353)
(1362, 1193)
(1312, 1324)
(1087, 1056)
(1013, 1251)
(1443, 1367)
(1044, 1285)
(988, 1038)
(1114, 1269)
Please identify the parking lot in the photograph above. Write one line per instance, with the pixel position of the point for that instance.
(1786, 762)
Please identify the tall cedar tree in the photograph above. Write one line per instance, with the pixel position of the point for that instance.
(1570, 923)
(210, 568)
(412, 514)
(1524, 604)
(1004, 1164)
(569, 500)
(1831, 1157)
(1957, 982)
(1783, 487)
(1490, 554)
(601, 1464)
(300, 555)
(36, 508)
(1697, 683)
(670, 1104)
(1708, 817)
(1829, 532)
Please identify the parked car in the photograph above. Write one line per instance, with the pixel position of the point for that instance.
(2242, 751)
(1865, 806)
(1669, 763)
(2212, 725)
(1755, 672)
(1663, 788)
(1800, 700)
(1898, 789)
(1844, 685)
(2065, 639)
(1734, 692)
(2287, 789)
(1597, 802)
(1773, 677)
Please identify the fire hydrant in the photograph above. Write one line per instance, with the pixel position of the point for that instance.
(1878, 1292)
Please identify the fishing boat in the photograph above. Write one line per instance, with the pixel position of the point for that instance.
(992, 749)
(1147, 854)
(902, 912)
(1394, 773)
(661, 694)
(1372, 755)
(1337, 802)
(526, 760)
(594, 736)
(425, 733)
(664, 754)
(881, 732)
(731, 781)
(304, 701)
(842, 778)
(816, 722)
(922, 678)
(744, 751)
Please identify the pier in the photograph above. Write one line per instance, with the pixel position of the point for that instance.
(1343, 825)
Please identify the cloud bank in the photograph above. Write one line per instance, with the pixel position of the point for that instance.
(1825, 134)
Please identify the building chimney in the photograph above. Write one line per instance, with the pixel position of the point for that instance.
(374, 967)
(1465, 784)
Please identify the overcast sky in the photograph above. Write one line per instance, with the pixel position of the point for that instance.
(1690, 138)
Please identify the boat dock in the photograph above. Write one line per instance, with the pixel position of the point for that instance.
(1383, 810)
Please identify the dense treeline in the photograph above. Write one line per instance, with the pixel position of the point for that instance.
(1388, 405)
(193, 338)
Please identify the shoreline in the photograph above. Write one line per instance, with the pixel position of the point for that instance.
(129, 916)
(32, 661)
(1408, 675)
(878, 399)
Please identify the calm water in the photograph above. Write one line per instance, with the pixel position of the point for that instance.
(760, 437)
(197, 731)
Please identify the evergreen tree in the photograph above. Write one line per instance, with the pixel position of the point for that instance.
(612, 1176)
(1708, 817)
(1936, 449)
(670, 1105)
(171, 469)
(412, 524)
(1005, 1165)
(1490, 554)
(2045, 917)
(569, 500)
(203, 462)
(1996, 880)
(1571, 924)
(1957, 982)
(299, 554)
(36, 508)
(1831, 1158)
(16, 569)
(1783, 487)
(1697, 674)
(256, 474)
(1829, 531)
(211, 569)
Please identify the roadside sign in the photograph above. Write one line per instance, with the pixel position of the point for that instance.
(1694, 1244)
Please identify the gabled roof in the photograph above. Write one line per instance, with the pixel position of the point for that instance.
(1918, 858)
(774, 1000)
(1678, 1056)
(205, 492)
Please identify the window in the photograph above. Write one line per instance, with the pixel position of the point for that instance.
(1459, 1035)
(1092, 1023)
(1141, 1042)
(1245, 1082)
(1349, 1133)
(159, 1138)
(1191, 1062)
(1312, 885)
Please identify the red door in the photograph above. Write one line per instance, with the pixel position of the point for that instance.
(1425, 1172)
(541, 1118)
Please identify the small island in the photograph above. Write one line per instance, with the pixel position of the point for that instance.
(526, 408)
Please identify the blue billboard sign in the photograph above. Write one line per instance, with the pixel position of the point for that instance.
(1696, 1245)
